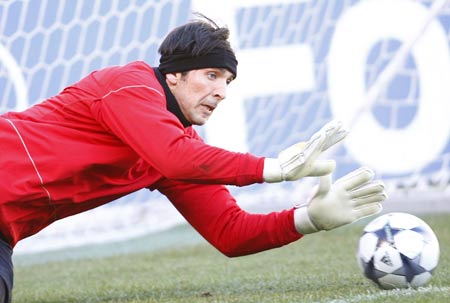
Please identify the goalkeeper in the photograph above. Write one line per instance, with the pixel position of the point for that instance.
(129, 127)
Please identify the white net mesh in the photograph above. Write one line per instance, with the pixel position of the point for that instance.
(300, 64)
(55, 43)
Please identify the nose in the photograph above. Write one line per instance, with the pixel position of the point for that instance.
(220, 91)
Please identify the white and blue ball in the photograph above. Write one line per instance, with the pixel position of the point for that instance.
(398, 250)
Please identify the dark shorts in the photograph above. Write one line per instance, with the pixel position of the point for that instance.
(6, 272)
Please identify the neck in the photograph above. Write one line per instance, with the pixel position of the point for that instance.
(172, 103)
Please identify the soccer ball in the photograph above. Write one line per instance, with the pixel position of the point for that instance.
(398, 250)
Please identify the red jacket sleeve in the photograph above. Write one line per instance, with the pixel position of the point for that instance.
(214, 213)
(139, 118)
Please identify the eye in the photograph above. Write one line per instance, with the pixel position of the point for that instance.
(212, 75)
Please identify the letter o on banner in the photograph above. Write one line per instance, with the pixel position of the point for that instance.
(393, 151)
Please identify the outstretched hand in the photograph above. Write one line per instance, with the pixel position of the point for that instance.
(349, 199)
(301, 159)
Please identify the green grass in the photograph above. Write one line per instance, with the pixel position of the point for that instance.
(319, 268)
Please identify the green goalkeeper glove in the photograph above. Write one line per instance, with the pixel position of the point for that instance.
(350, 198)
(300, 160)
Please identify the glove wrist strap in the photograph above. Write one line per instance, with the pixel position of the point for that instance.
(272, 171)
(303, 222)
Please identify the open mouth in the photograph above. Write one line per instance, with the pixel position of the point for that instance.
(209, 108)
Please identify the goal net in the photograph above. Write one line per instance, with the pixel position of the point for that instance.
(382, 66)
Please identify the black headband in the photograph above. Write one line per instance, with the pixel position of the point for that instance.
(181, 62)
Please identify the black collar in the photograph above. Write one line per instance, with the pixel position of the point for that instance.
(172, 103)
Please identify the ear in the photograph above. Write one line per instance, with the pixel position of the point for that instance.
(171, 78)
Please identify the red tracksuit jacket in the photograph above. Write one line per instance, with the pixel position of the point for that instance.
(114, 132)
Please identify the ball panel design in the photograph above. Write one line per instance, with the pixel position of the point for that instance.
(398, 250)
(427, 234)
(367, 245)
(430, 258)
(409, 243)
(371, 272)
(391, 281)
(420, 279)
(387, 259)
(404, 221)
(376, 224)
(410, 268)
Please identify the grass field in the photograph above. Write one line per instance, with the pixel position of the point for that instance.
(319, 268)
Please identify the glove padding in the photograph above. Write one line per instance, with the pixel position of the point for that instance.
(349, 199)
(300, 160)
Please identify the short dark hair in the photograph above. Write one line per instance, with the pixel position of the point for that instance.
(197, 37)
(197, 44)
